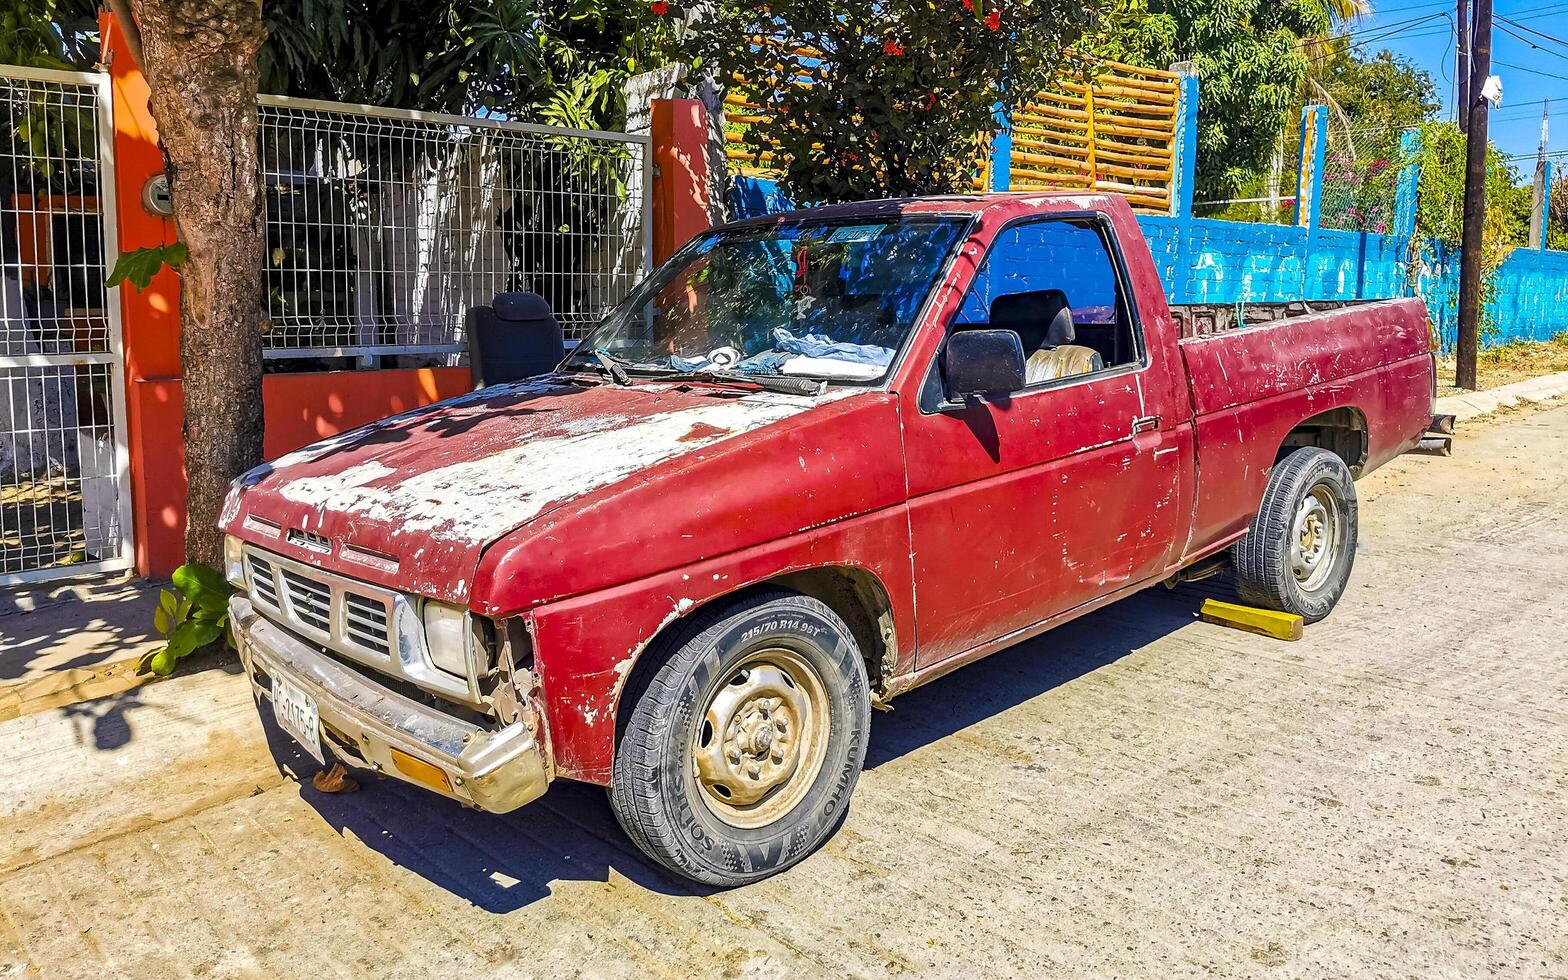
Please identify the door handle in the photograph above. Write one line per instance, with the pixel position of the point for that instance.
(1146, 424)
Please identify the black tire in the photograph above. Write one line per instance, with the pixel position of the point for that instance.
(1269, 565)
(674, 814)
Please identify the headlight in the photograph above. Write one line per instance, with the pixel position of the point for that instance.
(446, 637)
(234, 561)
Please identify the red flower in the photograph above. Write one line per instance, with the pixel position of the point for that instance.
(969, 5)
(993, 20)
(659, 7)
(851, 156)
(892, 48)
(929, 102)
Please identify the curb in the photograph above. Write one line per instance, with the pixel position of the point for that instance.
(1477, 403)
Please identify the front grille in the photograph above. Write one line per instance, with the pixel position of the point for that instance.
(309, 600)
(353, 620)
(365, 623)
(263, 586)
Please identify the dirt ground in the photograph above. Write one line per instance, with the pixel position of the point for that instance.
(1137, 794)
(1512, 362)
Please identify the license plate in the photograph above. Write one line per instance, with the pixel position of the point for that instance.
(296, 712)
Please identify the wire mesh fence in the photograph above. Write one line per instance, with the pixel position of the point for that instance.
(1360, 179)
(51, 247)
(60, 460)
(385, 227)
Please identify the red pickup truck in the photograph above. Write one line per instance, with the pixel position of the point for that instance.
(813, 461)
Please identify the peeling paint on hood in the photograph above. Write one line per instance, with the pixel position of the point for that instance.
(431, 488)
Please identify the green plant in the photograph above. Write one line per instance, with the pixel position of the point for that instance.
(191, 619)
(138, 266)
(524, 59)
(1440, 206)
(1252, 59)
(876, 100)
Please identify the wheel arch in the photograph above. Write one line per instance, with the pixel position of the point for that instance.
(1342, 431)
(856, 594)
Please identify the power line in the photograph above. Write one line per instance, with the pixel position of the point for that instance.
(1413, 6)
(1534, 12)
(1530, 71)
(1521, 37)
(1527, 116)
(1377, 28)
(1383, 32)
(1531, 30)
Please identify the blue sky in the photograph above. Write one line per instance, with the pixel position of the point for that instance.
(1529, 74)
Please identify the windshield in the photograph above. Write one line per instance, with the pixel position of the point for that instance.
(831, 300)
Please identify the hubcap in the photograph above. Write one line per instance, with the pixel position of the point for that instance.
(1314, 536)
(762, 738)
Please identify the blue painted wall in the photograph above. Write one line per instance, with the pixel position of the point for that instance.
(1203, 260)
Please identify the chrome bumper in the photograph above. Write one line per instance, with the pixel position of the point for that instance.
(363, 722)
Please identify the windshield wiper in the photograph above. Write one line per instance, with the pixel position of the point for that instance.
(767, 382)
(611, 365)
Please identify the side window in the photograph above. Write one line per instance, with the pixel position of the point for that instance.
(1054, 283)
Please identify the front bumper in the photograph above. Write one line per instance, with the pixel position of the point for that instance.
(495, 770)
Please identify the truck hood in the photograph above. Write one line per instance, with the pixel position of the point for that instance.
(410, 502)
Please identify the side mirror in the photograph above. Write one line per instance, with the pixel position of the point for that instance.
(984, 362)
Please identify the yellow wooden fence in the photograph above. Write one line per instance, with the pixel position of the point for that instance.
(1114, 130)
(1111, 129)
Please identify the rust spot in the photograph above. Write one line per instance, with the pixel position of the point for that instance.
(702, 430)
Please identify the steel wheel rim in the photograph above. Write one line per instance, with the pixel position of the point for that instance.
(761, 738)
(1314, 538)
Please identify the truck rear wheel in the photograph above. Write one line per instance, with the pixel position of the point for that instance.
(738, 752)
(1298, 553)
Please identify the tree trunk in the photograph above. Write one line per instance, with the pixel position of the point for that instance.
(200, 64)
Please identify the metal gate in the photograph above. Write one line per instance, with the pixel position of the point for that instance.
(64, 500)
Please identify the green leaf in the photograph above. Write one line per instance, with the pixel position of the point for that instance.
(190, 635)
(161, 621)
(194, 579)
(218, 615)
(162, 662)
(140, 265)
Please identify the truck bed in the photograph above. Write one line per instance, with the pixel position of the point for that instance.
(1368, 365)
(1202, 319)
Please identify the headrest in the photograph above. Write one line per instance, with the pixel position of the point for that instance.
(521, 306)
(1040, 317)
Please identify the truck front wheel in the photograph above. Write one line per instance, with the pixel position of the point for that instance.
(1298, 552)
(738, 752)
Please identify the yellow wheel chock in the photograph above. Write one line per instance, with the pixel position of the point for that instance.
(1280, 625)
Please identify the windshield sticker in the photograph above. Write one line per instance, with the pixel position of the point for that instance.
(856, 233)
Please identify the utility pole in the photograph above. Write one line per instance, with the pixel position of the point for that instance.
(1538, 202)
(1475, 199)
(1462, 64)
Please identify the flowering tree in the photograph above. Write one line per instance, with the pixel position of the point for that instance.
(872, 100)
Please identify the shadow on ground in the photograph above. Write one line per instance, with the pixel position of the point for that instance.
(502, 863)
(74, 633)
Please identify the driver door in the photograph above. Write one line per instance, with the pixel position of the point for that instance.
(1024, 507)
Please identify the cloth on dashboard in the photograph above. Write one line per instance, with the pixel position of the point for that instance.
(810, 354)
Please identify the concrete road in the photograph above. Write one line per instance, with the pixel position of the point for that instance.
(1137, 794)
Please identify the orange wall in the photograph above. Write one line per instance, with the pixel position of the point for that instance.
(680, 179)
(300, 409)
